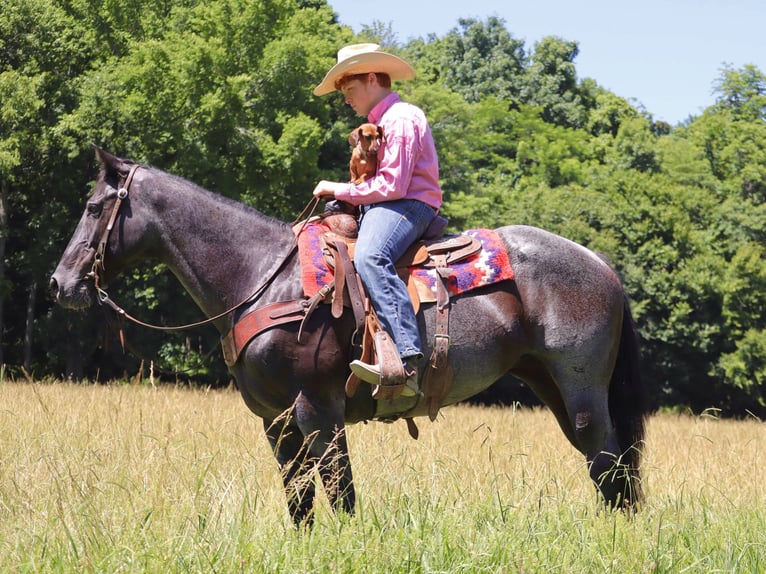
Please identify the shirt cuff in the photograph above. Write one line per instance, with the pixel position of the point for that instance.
(344, 193)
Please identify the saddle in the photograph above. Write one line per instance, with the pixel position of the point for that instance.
(376, 346)
(433, 269)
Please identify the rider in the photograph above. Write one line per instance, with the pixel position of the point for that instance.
(398, 204)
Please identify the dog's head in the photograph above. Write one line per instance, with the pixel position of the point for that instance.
(368, 137)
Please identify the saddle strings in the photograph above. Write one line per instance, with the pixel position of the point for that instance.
(311, 207)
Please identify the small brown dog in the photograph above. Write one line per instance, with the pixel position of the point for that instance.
(366, 140)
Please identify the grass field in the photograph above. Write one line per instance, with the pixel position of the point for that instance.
(128, 478)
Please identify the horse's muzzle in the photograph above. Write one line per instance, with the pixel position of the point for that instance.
(78, 296)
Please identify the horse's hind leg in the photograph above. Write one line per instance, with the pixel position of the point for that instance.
(597, 439)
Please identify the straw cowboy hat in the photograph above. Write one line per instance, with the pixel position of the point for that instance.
(360, 59)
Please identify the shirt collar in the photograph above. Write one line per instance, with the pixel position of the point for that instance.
(382, 107)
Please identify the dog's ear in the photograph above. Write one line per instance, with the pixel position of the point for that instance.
(381, 135)
(353, 137)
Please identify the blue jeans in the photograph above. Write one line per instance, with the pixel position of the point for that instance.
(386, 231)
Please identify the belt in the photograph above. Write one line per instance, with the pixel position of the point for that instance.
(365, 208)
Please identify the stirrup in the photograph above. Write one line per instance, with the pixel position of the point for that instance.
(371, 374)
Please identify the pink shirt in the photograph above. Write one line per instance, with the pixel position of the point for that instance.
(408, 167)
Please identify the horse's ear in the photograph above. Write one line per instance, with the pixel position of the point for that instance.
(110, 163)
(106, 159)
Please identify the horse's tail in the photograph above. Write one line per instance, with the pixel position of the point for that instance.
(627, 402)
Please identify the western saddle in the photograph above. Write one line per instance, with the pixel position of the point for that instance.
(370, 343)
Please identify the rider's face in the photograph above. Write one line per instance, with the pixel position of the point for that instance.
(359, 94)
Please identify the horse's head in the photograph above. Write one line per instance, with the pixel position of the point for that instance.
(103, 242)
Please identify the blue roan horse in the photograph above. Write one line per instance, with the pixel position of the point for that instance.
(563, 325)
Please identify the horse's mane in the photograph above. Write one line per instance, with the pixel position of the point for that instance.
(177, 181)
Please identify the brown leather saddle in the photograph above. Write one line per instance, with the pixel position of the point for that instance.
(377, 346)
(370, 342)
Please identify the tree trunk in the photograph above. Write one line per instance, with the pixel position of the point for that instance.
(29, 328)
(74, 370)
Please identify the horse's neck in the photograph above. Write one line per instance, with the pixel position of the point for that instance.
(220, 251)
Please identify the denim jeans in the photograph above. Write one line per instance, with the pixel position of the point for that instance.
(386, 231)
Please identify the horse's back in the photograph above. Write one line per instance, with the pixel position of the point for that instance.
(544, 262)
(549, 253)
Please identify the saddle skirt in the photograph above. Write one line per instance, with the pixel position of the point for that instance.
(475, 258)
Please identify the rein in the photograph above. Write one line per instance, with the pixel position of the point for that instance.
(98, 266)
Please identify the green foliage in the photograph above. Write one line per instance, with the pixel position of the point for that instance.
(219, 92)
(743, 92)
(183, 360)
(477, 60)
(635, 146)
(745, 367)
(743, 362)
(736, 151)
(609, 113)
(19, 103)
(551, 83)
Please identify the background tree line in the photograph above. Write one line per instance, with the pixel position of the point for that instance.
(219, 91)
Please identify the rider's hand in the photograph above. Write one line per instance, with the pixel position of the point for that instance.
(325, 189)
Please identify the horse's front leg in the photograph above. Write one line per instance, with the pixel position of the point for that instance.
(320, 417)
(296, 465)
(335, 470)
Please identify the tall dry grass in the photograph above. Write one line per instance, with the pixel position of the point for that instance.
(126, 478)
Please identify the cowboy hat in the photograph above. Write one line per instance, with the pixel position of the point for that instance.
(360, 59)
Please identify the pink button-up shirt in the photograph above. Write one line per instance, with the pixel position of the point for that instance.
(408, 167)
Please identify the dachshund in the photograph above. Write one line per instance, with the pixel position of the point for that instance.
(366, 140)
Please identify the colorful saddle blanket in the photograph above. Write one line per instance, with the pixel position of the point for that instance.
(490, 265)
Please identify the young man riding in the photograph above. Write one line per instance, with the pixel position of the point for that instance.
(397, 205)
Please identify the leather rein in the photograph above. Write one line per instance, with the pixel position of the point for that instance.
(99, 267)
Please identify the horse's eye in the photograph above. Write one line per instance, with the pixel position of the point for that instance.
(95, 207)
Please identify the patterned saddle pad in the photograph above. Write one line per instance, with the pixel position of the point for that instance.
(488, 266)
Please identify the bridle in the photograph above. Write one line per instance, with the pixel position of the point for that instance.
(98, 267)
(98, 256)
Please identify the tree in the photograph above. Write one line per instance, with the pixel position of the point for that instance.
(44, 48)
(551, 83)
(479, 59)
(18, 105)
(199, 88)
(743, 92)
(608, 113)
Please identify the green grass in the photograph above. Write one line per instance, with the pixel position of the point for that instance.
(126, 478)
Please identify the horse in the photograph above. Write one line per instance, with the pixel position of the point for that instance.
(563, 325)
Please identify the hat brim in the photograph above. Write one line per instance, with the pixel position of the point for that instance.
(380, 62)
